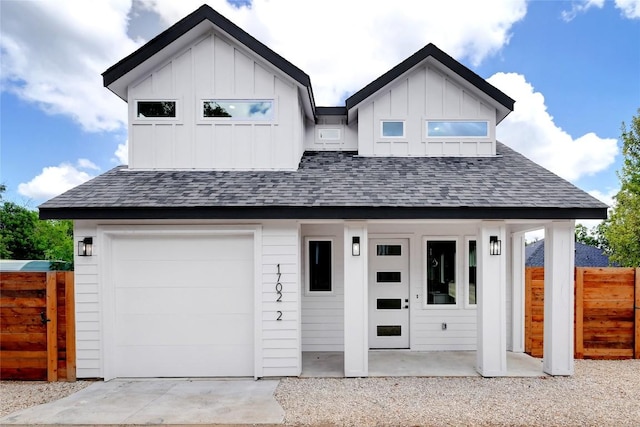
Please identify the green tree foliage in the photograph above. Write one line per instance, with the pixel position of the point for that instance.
(17, 228)
(622, 229)
(24, 236)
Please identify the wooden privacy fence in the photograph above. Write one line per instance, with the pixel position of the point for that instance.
(37, 326)
(607, 312)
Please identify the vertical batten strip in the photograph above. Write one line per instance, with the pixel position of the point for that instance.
(52, 327)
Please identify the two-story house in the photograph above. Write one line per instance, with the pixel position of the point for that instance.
(251, 225)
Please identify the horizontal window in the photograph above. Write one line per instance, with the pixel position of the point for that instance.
(238, 109)
(389, 304)
(388, 277)
(389, 331)
(389, 250)
(155, 109)
(457, 128)
(329, 134)
(392, 129)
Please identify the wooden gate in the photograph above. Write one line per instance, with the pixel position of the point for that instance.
(37, 326)
(607, 312)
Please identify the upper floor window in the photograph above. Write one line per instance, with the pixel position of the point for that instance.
(155, 109)
(392, 128)
(457, 129)
(251, 109)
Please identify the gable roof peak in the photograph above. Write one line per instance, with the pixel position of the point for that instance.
(431, 50)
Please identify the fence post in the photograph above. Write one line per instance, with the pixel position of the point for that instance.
(579, 313)
(52, 327)
(636, 306)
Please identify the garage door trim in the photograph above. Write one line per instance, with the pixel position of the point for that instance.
(103, 250)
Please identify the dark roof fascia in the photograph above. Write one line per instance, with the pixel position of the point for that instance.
(331, 111)
(187, 23)
(322, 212)
(433, 51)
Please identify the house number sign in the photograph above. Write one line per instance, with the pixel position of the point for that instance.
(279, 293)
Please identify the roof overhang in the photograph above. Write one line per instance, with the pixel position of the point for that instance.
(323, 212)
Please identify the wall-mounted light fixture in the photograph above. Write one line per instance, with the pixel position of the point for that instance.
(495, 245)
(355, 246)
(85, 247)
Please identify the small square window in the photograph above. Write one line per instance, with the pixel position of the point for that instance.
(392, 129)
(320, 262)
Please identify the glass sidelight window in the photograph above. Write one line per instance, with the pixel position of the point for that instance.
(441, 272)
(319, 265)
(472, 272)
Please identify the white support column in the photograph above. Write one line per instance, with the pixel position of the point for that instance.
(356, 314)
(559, 256)
(517, 292)
(491, 292)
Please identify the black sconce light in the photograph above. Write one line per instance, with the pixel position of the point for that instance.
(495, 245)
(355, 246)
(85, 247)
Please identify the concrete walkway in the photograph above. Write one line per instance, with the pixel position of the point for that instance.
(160, 401)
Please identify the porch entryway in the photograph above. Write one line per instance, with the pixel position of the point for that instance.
(404, 363)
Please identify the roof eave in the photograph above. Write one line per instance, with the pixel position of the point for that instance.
(321, 212)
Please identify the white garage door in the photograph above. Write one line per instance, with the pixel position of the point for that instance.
(183, 306)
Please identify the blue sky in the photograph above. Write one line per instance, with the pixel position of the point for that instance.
(573, 68)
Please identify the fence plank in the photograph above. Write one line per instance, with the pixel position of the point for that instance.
(527, 309)
(52, 327)
(70, 310)
(636, 349)
(579, 314)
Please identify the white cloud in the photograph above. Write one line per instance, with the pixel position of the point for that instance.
(580, 7)
(87, 164)
(630, 8)
(347, 44)
(53, 54)
(122, 153)
(55, 180)
(530, 129)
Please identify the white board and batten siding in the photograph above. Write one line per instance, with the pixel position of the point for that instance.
(214, 67)
(323, 314)
(425, 93)
(281, 353)
(269, 347)
(331, 133)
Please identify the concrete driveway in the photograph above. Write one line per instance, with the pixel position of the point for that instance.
(160, 401)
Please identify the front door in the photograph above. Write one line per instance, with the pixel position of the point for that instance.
(388, 293)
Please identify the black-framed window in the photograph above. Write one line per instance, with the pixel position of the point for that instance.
(320, 260)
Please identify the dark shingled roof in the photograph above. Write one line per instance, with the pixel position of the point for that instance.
(336, 185)
(585, 256)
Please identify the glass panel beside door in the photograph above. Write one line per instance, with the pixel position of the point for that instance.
(441, 272)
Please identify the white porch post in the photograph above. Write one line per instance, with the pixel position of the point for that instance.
(517, 292)
(491, 311)
(559, 256)
(356, 338)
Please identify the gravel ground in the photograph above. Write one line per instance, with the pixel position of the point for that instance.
(601, 393)
(16, 395)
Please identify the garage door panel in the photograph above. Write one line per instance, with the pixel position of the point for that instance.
(205, 361)
(212, 329)
(183, 305)
(164, 273)
(170, 301)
